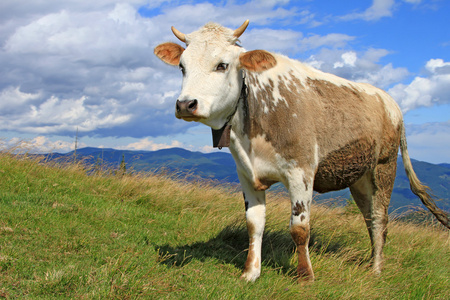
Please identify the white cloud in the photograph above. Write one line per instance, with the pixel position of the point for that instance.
(207, 149)
(39, 144)
(438, 66)
(54, 115)
(359, 67)
(189, 17)
(378, 10)
(425, 91)
(17, 99)
(282, 40)
(348, 59)
(93, 69)
(290, 42)
(147, 144)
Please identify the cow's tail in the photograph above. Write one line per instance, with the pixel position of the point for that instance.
(417, 187)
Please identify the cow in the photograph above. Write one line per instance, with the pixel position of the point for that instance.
(287, 122)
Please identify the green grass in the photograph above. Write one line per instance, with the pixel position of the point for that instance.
(64, 234)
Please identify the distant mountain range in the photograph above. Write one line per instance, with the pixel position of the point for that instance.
(220, 166)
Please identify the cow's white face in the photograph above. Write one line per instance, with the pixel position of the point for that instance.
(212, 83)
(212, 78)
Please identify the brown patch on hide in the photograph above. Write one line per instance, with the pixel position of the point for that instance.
(298, 208)
(300, 235)
(279, 129)
(306, 183)
(169, 53)
(257, 60)
(262, 184)
(343, 167)
(256, 264)
(251, 248)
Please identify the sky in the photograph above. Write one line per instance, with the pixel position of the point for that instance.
(88, 66)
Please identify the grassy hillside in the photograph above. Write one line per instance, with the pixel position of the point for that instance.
(221, 166)
(64, 234)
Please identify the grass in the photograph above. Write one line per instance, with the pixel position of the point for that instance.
(64, 234)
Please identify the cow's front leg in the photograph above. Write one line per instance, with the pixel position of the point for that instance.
(255, 212)
(300, 190)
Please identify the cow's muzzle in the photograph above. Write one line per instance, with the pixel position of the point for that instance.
(186, 109)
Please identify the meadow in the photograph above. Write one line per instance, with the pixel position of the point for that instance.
(66, 233)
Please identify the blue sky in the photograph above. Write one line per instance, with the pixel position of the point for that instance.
(78, 64)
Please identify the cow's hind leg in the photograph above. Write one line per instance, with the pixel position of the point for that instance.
(372, 194)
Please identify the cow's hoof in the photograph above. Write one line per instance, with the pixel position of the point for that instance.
(304, 279)
(250, 276)
(305, 275)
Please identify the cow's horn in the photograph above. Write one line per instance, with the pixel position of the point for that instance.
(238, 32)
(181, 36)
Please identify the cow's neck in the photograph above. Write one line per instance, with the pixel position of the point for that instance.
(222, 137)
(241, 119)
(245, 122)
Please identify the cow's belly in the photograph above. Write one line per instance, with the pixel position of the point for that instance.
(343, 167)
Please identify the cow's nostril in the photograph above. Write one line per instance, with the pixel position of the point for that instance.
(192, 106)
(178, 108)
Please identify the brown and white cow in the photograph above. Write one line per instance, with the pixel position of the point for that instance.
(288, 122)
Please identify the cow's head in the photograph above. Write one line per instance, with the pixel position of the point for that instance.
(211, 65)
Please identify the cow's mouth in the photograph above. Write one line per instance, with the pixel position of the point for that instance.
(190, 118)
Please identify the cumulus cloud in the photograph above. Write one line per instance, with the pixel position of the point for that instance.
(94, 70)
(358, 66)
(189, 17)
(147, 144)
(425, 91)
(39, 144)
(283, 40)
(290, 42)
(379, 9)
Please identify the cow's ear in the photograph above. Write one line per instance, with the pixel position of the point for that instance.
(169, 53)
(257, 60)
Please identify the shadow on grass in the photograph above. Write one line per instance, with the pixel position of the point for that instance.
(230, 246)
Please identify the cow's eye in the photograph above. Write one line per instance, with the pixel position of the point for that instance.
(181, 68)
(222, 67)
